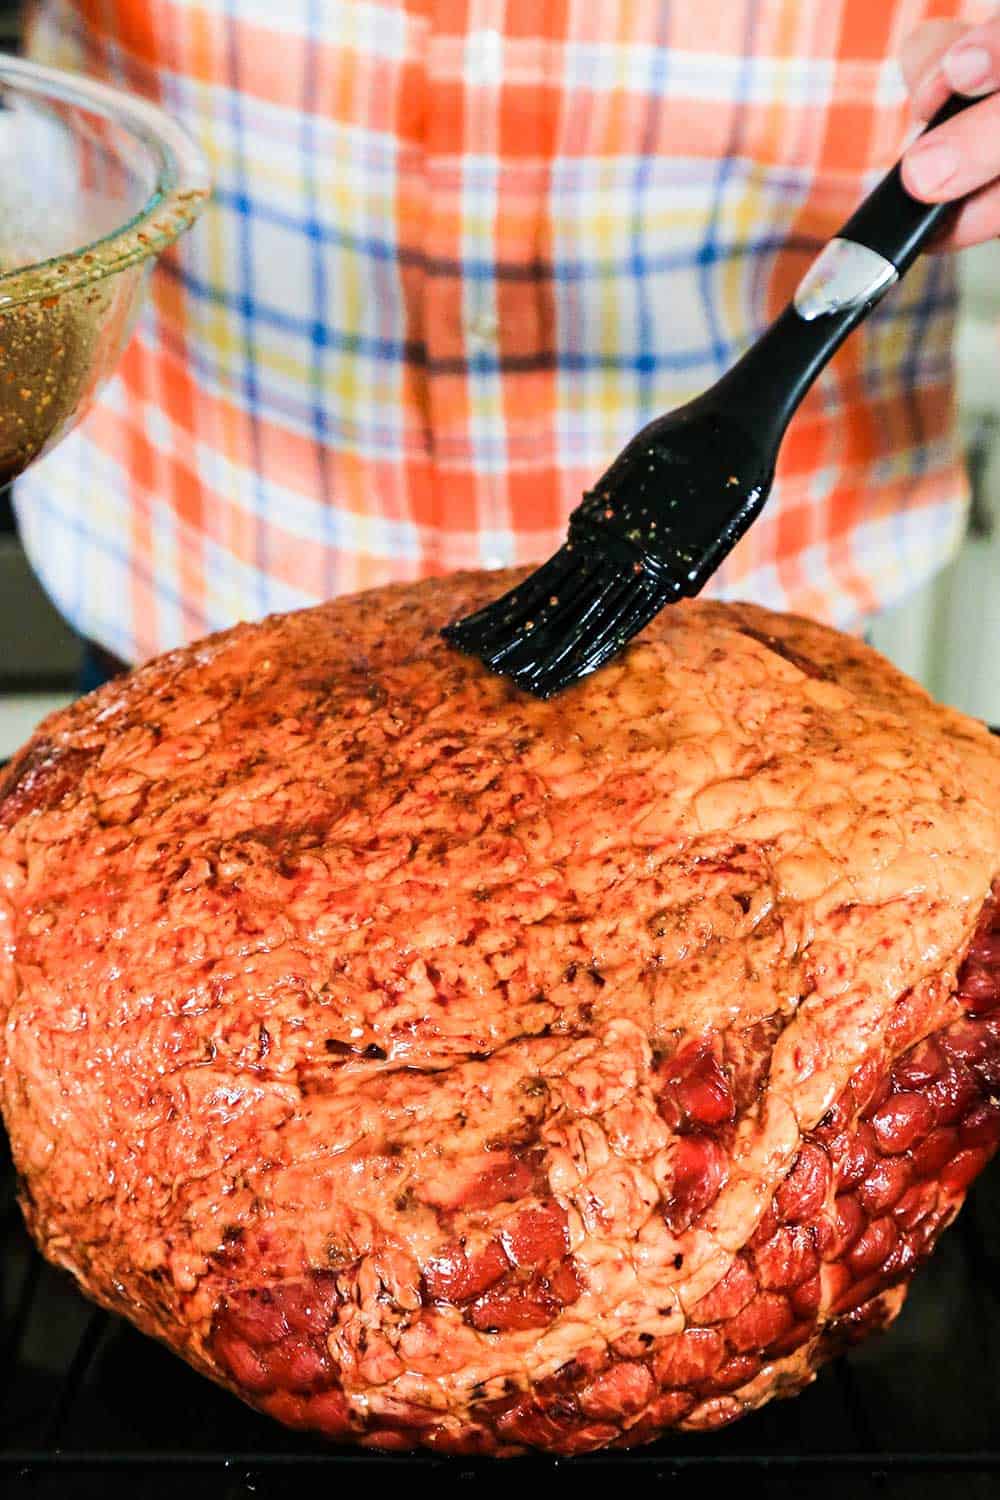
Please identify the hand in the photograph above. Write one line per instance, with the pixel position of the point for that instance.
(963, 155)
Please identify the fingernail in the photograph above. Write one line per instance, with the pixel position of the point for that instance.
(929, 167)
(968, 68)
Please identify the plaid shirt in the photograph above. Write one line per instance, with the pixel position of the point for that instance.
(459, 252)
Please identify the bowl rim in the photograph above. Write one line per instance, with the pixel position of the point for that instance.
(182, 184)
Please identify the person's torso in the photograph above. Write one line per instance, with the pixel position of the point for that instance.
(460, 250)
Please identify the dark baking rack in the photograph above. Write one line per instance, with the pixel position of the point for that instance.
(88, 1407)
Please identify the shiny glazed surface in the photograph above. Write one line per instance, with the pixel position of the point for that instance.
(431, 1064)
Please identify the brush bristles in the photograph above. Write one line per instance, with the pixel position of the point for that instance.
(566, 620)
(651, 531)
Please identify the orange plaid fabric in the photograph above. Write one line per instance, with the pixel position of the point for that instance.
(460, 250)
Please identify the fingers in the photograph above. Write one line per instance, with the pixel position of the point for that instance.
(945, 57)
(922, 51)
(977, 220)
(956, 158)
(962, 156)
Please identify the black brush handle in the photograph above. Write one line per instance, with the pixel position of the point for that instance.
(767, 383)
(891, 221)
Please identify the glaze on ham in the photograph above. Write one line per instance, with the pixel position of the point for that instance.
(431, 1065)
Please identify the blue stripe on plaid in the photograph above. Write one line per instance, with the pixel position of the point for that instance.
(245, 302)
(247, 307)
(708, 252)
(251, 311)
(577, 359)
(471, 268)
(319, 423)
(645, 362)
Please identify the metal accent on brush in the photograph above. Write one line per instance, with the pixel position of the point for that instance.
(844, 275)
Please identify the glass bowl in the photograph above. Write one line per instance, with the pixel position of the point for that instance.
(94, 184)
